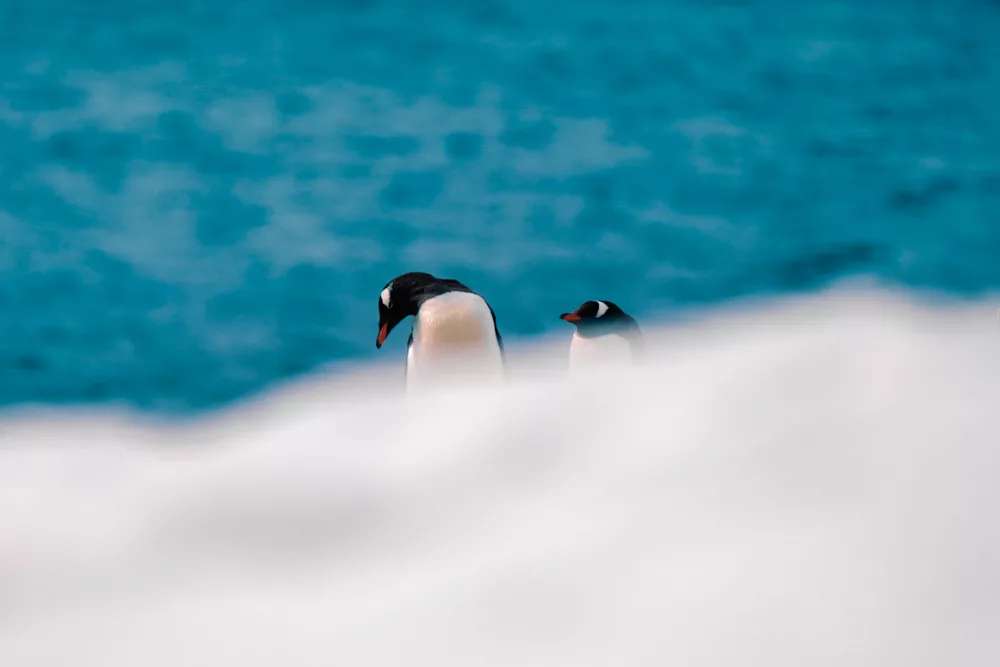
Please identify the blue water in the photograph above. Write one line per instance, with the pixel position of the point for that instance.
(198, 199)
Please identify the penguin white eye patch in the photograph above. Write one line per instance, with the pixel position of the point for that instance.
(386, 296)
(601, 308)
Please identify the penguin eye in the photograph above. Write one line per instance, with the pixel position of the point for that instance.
(601, 309)
(387, 297)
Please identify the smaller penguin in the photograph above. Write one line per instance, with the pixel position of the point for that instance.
(605, 334)
(454, 329)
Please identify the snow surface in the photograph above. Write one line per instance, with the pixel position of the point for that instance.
(807, 483)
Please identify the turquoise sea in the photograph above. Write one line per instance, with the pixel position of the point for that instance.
(201, 199)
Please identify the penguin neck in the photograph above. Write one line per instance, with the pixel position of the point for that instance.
(598, 328)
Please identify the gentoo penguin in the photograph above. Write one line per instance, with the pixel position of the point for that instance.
(453, 327)
(605, 334)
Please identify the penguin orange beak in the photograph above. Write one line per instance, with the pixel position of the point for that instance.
(382, 333)
(570, 317)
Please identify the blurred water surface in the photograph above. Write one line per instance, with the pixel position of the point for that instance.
(200, 198)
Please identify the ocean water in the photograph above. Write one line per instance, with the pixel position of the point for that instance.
(199, 200)
(807, 483)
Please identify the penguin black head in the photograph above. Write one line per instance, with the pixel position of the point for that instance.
(594, 313)
(594, 319)
(403, 295)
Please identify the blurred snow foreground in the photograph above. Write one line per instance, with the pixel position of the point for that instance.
(808, 483)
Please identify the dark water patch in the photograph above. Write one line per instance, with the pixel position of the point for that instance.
(223, 219)
(356, 171)
(377, 147)
(293, 104)
(917, 199)
(815, 268)
(462, 146)
(532, 135)
(411, 190)
(105, 156)
(38, 94)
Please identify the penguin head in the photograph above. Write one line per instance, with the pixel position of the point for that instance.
(593, 313)
(399, 299)
(597, 317)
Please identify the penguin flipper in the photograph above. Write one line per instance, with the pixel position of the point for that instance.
(409, 351)
(637, 340)
(496, 330)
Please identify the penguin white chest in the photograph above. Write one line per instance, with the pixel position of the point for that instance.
(599, 350)
(455, 330)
